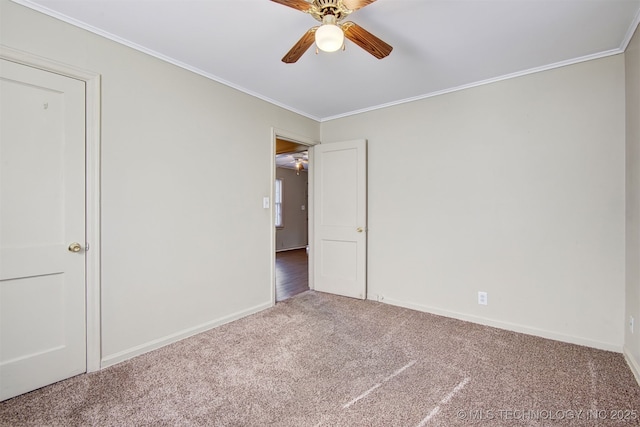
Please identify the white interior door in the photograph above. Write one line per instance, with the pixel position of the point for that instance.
(340, 218)
(42, 212)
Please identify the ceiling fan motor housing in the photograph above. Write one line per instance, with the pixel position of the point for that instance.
(329, 7)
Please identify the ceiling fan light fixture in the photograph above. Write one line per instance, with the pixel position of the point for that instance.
(329, 37)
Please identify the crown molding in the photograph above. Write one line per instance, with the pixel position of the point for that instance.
(151, 52)
(629, 34)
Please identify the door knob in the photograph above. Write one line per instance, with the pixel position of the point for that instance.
(75, 247)
(360, 230)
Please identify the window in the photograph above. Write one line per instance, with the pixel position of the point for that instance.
(277, 203)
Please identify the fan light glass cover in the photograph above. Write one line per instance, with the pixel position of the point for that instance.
(329, 37)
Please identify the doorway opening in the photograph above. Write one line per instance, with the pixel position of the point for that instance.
(291, 218)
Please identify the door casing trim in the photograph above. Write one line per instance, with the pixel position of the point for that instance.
(92, 190)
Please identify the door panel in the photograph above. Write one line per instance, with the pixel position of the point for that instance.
(42, 211)
(340, 259)
(340, 238)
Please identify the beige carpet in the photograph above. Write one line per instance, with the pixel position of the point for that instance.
(322, 360)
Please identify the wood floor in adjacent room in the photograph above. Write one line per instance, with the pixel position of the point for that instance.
(292, 273)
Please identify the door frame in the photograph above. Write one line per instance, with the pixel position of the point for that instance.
(298, 139)
(92, 188)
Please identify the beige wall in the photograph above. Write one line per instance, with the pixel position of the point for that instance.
(294, 233)
(514, 188)
(632, 77)
(181, 218)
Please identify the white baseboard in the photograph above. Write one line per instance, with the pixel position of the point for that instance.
(633, 363)
(169, 339)
(505, 325)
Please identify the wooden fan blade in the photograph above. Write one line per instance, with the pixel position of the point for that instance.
(366, 40)
(301, 47)
(356, 4)
(296, 4)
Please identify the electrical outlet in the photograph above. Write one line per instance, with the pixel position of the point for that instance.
(483, 298)
(631, 323)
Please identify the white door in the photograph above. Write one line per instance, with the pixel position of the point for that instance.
(340, 218)
(42, 212)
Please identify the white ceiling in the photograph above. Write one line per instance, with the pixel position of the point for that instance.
(438, 45)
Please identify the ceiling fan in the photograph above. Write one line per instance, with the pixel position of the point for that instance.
(298, 161)
(330, 35)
